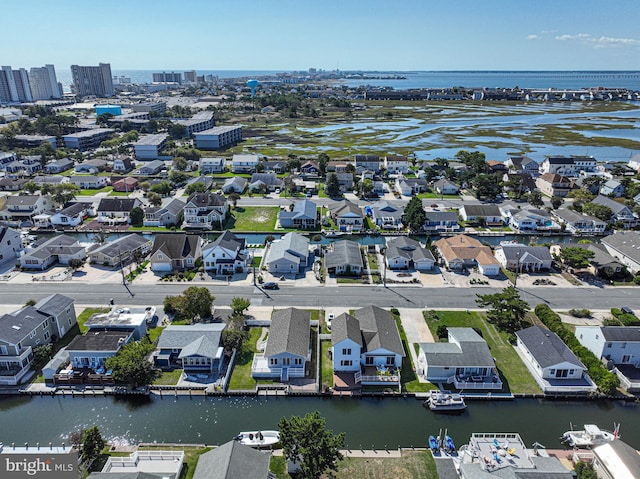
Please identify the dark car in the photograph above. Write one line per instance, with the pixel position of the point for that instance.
(270, 285)
(627, 310)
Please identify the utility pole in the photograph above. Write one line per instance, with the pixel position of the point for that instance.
(515, 279)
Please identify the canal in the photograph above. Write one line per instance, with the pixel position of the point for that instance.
(367, 422)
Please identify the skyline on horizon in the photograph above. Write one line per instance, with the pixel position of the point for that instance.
(287, 35)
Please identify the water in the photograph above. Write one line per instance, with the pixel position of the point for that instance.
(367, 422)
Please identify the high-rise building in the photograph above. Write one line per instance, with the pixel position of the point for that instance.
(191, 76)
(92, 80)
(44, 84)
(14, 85)
(165, 77)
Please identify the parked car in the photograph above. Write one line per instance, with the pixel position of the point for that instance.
(270, 285)
(627, 310)
(330, 318)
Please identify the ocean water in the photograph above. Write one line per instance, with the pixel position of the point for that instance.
(436, 79)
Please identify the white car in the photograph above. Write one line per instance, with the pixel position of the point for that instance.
(329, 319)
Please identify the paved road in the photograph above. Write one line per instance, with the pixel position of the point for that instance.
(329, 296)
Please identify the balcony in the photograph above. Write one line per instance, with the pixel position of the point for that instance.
(12, 373)
(260, 368)
(378, 376)
(492, 382)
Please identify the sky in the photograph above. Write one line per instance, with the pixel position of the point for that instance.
(401, 35)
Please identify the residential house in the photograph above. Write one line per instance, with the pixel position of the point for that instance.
(59, 166)
(616, 459)
(7, 157)
(619, 346)
(625, 246)
(558, 165)
(122, 250)
(367, 162)
(386, 216)
(91, 350)
(462, 252)
(59, 249)
(28, 165)
(205, 210)
(345, 180)
(265, 182)
(612, 188)
(310, 168)
(51, 180)
(411, 186)
(170, 214)
(244, 163)
(523, 258)
(303, 216)
(195, 348)
(206, 181)
(344, 258)
(288, 348)
(551, 363)
(553, 184)
(232, 460)
(464, 361)
(496, 166)
(23, 208)
(274, 166)
(523, 164)
(89, 182)
(128, 184)
(237, 184)
(446, 187)
(488, 215)
(12, 184)
(366, 348)
(143, 464)
(290, 254)
(577, 223)
(634, 163)
(177, 251)
(528, 219)
(211, 165)
(22, 330)
(337, 166)
(123, 165)
(152, 168)
(516, 185)
(309, 187)
(346, 215)
(92, 167)
(405, 253)
(124, 319)
(396, 164)
(10, 245)
(602, 264)
(116, 210)
(227, 255)
(71, 216)
(621, 212)
(441, 221)
(148, 147)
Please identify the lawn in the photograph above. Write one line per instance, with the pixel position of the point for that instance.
(412, 465)
(119, 193)
(86, 314)
(241, 375)
(253, 218)
(93, 192)
(169, 378)
(154, 333)
(408, 378)
(326, 366)
(514, 374)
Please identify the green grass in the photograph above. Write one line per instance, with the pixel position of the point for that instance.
(278, 466)
(345, 280)
(253, 218)
(408, 377)
(241, 375)
(169, 378)
(119, 193)
(372, 259)
(436, 195)
(154, 333)
(86, 314)
(511, 275)
(256, 261)
(514, 374)
(92, 192)
(326, 365)
(412, 465)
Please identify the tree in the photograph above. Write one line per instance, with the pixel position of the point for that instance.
(289, 185)
(239, 305)
(475, 160)
(41, 355)
(154, 198)
(194, 301)
(197, 187)
(585, 470)
(234, 197)
(31, 187)
(366, 187)
(178, 177)
(92, 445)
(163, 188)
(507, 309)
(307, 441)
(535, 199)
(556, 202)
(180, 163)
(75, 263)
(580, 197)
(130, 364)
(485, 186)
(177, 131)
(293, 164)
(414, 214)
(323, 159)
(333, 186)
(602, 212)
(233, 338)
(145, 186)
(64, 192)
(136, 215)
(575, 257)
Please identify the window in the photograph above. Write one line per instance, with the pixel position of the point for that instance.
(346, 351)
(624, 345)
(3, 350)
(273, 361)
(298, 361)
(369, 360)
(45, 324)
(390, 361)
(571, 371)
(160, 257)
(608, 344)
(32, 334)
(626, 358)
(346, 362)
(46, 335)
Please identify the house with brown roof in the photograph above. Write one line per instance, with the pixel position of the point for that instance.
(552, 184)
(175, 252)
(462, 252)
(127, 184)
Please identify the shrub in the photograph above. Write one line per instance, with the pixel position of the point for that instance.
(442, 331)
(636, 280)
(580, 313)
(616, 312)
(395, 311)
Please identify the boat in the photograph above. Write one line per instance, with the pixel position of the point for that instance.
(440, 401)
(590, 436)
(258, 439)
(448, 444)
(433, 444)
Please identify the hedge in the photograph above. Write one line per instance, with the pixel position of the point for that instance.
(606, 381)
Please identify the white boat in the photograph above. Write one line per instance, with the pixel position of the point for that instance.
(258, 439)
(590, 436)
(441, 401)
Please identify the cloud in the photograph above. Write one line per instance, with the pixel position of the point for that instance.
(599, 42)
(532, 37)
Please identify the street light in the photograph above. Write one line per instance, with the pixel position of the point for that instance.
(515, 279)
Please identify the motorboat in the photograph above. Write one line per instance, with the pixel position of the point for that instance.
(258, 439)
(433, 444)
(441, 401)
(590, 436)
(448, 444)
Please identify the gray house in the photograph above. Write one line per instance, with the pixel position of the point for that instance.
(194, 348)
(58, 166)
(290, 254)
(406, 253)
(236, 184)
(91, 350)
(625, 247)
(268, 181)
(524, 258)
(152, 168)
(168, 215)
(22, 330)
(175, 252)
(232, 460)
(121, 251)
(10, 245)
(386, 215)
(304, 216)
(344, 258)
(59, 249)
(621, 212)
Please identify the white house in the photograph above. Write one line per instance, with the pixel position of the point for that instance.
(347, 215)
(72, 215)
(10, 244)
(625, 246)
(406, 253)
(212, 165)
(227, 255)
(524, 258)
(396, 164)
(205, 210)
(244, 163)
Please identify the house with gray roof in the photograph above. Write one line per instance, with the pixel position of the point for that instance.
(71, 215)
(481, 213)
(10, 245)
(345, 180)
(612, 188)
(22, 330)
(446, 187)
(23, 208)
(167, 215)
(367, 347)
(523, 164)
(616, 459)
(464, 361)
(551, 363)
(411, 186)
(288, 349)
(233, 460)
(91, 350)
(266, 181)
(441, 221)
(303, 216)
(207, 181)
(236, 184)
(205, 210)
(625, 247)
(59, 249)
(406, 253)
(59, 166)
(116, 209)
(346, 215)
(621, 212)
(175, 252)
(289, 254)
(579, 223)
(122, 250)
(601, 264)
(227, 255)
(524, 258)
(88, 182)
(211, 165)
(275, 166)
(154, 167)
(387, 216)
(194, 348)
(93, 167)
(50, 180)
(344, 258)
